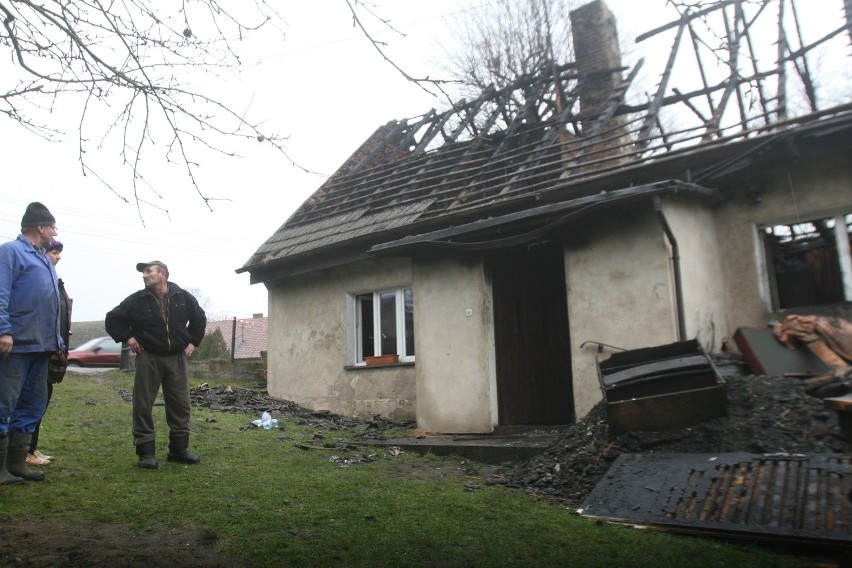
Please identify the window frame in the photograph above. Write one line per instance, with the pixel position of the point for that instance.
(841, 218)
(400, 314)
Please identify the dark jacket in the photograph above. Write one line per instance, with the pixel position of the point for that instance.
(58, 362)
(139, 316)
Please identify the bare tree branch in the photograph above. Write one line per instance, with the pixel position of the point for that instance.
(379, 46)
(135, 53)
(507, 39)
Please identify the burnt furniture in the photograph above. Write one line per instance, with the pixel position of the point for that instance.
(661, 388)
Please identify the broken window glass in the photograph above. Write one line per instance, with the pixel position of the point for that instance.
(806, 265)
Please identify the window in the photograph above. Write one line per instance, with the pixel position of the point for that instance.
(384, 323)
(809, 262)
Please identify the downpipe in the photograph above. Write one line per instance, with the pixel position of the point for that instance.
(678, 281)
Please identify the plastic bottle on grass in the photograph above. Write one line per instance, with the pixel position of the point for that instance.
(267, 422)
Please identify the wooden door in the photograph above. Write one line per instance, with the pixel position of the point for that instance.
(531, 337)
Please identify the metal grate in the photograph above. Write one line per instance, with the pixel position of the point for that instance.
(776, 495)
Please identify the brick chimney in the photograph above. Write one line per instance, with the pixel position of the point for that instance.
(848, 6)
(598, 62)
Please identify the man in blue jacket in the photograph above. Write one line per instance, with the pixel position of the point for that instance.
(162, 324)
(29, 335)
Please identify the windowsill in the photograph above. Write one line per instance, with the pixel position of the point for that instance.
(371, 367)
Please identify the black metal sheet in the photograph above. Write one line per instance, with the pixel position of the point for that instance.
(778, 496)
(656, 368)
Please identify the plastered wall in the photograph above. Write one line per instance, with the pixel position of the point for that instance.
(799, 192)
(619, 292)
(310, 332)
(456, 390)
(701, 259)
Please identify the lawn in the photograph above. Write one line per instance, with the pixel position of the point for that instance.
(259, 499)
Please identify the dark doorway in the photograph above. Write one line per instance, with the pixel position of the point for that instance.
(531, 337)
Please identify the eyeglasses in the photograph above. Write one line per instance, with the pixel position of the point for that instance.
(53, 228)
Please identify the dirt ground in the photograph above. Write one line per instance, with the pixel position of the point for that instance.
(765, 415)
(34, 542)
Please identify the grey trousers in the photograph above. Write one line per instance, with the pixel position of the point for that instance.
(172, 373)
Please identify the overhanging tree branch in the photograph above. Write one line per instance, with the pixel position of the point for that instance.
(139, 51)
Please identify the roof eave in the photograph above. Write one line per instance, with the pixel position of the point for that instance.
(563, 211)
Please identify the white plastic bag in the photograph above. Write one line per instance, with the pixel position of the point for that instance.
(267, 422)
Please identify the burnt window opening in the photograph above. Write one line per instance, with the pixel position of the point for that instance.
(808, 263)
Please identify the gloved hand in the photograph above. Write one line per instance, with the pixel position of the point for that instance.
(61, 357)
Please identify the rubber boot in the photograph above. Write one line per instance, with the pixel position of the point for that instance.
(6, 478)
(147, 459)
(178, 452)
(16, 458)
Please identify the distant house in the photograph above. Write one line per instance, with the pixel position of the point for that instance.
(246, 338)
(497, 250)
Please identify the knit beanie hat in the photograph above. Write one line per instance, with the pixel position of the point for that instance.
(36, 214)
(54, 245)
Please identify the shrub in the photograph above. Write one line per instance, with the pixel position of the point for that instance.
(212, 347)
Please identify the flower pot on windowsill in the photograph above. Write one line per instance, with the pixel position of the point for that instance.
(381, 359)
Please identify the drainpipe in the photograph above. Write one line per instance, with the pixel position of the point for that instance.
(678, 283)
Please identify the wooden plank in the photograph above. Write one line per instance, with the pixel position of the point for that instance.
(766, 355)
(668, 411)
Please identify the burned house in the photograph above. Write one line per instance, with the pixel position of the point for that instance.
(467, 269)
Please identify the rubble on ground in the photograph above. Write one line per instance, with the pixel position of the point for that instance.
(766, 414)
(254, 402)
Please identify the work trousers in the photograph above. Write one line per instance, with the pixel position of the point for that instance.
(23, 392)
(172, 373)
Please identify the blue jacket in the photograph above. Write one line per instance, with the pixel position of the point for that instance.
(29, 298)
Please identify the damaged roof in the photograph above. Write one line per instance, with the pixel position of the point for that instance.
(563, 133)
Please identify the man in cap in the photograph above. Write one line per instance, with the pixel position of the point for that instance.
(162, 324)
(29, 335)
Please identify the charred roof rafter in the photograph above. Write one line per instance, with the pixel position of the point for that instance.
(724, 80)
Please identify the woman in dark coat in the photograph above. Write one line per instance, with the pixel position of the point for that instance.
(57, 364)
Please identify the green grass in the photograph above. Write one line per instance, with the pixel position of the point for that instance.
(273, 504)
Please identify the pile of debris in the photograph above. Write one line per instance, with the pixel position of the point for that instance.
(766, 414)
(255, 402)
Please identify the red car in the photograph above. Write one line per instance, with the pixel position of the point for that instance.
(98, 352)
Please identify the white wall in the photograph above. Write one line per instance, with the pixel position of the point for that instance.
(799, 192)
(620, 292)
(456, 379)
(309, 339)
(452, 387)
(704, 298)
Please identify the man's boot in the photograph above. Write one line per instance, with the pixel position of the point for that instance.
(178, 453)
(16, 458)
(146, 451)
(6, 478)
